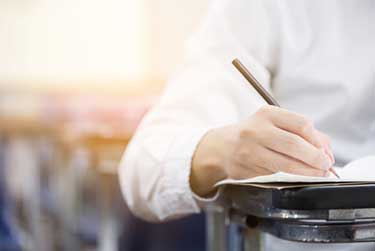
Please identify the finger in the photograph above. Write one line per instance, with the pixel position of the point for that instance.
(247, 171)
(330, 155)
(328, 146)
(296, 124)
(276, 162)
(296, 147)
(247, 163)
(301, 126)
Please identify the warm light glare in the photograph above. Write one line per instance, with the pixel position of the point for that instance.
(72, 40)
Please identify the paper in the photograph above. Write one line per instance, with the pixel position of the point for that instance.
(359, 171)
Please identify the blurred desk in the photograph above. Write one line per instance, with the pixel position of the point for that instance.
(72, 144)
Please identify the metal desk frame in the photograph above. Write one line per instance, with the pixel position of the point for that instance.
(310, 226)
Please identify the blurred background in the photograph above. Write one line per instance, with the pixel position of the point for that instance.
(76, 77)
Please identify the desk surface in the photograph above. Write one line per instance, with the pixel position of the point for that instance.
(308, 198)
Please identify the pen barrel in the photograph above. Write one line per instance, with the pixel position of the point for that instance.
(257, 86)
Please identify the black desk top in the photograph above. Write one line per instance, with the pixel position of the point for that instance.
(306, 198)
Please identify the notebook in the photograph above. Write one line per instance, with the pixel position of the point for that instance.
(360, 171)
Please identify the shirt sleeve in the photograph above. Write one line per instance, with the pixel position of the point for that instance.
(207, 92)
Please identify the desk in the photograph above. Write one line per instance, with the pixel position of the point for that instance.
(344, 214)
(73, 146)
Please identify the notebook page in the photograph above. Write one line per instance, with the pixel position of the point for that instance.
(361, 170)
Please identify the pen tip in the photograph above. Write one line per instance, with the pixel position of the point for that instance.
(335, 173)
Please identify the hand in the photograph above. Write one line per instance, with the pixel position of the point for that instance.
(271, 140)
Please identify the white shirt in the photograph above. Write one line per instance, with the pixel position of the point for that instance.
(317, 58)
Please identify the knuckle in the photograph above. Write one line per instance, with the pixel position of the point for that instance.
(264, 110)
(306, 127)
(291, 143)
(246, 132)
(241, 155)
(318, 160)
(263, 135)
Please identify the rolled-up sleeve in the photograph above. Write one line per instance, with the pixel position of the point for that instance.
(205, 93)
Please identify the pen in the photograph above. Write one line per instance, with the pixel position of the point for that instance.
(262, 92)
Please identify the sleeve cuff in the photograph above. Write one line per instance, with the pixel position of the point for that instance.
(177, 176)
(204, 201)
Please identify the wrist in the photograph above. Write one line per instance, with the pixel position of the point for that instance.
(208, 163)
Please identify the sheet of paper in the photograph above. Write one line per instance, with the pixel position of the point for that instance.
(359, 171)
(281, 186)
